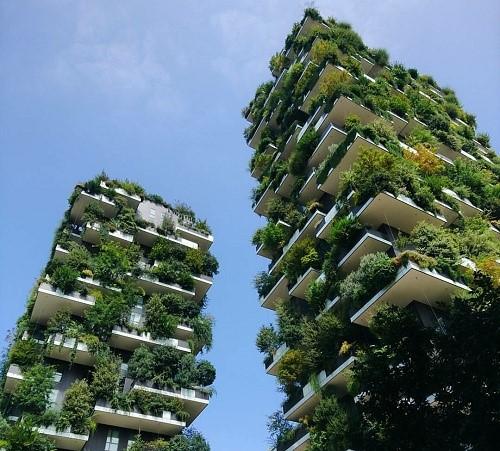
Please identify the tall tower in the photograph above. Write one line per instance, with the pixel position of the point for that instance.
(104, 358)
(373, 183)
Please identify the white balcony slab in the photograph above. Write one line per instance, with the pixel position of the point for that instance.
(84, 199)
(369, 243)
(277, 293)
(50, 300)
(412, 283)
(399, 212)
(166, 424)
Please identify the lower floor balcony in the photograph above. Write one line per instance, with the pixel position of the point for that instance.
(129, 339)
(300, 288)
(194, 400)
(369, 242)
(50, 300)
(412, 283)
(399, 212)
(277, 293)
(305, 400)
(12, 378)
(272, 362)
(69, 350)
(165, 424)
(64, 439)
(152, 285)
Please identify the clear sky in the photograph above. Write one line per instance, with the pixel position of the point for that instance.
(152, 90)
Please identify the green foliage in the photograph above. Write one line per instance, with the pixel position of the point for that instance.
(302, 151)
(380, 56)
(374, 273)
(167, 366)
(438, 243)
(332, 426)
(264, 282)
(290, 318)
(189, 441)
(32, 393)
(286, 211)
(300, 257)
(174, 271)
(159, 322)
(316, 294)
(109, 309)
(23, 436)
(114, 261)
(202, 333)
(65, 278)
(484, 139)
(267, 340)
(272, 236)
(25, 353)
(78, 408)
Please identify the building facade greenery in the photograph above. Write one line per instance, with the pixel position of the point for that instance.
(372, 176)
(107, 281)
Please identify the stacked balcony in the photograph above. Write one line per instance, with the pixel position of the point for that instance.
(382, 218)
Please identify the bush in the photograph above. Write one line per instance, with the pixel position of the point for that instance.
(271, 236)
(174, 272)
(324, 50)
(114, 261)
(205, 373)
(109, 309)
(25, 353)
(380, 56)
(32, 393)
(295, 366)
(78, 408)
(267, 340)
(277, 63)
(264, 282)
(374, 273)
(159, 322)
(300, 257)
(106, 376)
(65, 278)
(23, 436)
(302, 151)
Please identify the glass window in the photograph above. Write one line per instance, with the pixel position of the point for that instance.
(152, 213)
(57, 377)
(112, 441)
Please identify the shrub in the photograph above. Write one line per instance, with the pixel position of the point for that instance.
(109, 309)
(295, 366)
(267, 340)
(374, 273)
(323, 50)
(202, 333)
(425, 159)
(277, 63)
(484, 139)
(78, 408)
(65, 278)
(23, 436)
(271, 236)
(25, 353)
(114, 261)
(32, 393)
(380, 56)
(205, 373)
(302, 151)
(174, 272)
(264, 282)
(105, 376)
(300, 257)
(159, 322)
(164, 250)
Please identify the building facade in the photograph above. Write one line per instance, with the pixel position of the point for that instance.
(372, 180)
(104, 357)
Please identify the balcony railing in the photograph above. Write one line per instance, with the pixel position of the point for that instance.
(50, 300)
(129, 339)
(166, 424)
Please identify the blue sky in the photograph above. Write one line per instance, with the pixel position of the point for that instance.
(152, 91)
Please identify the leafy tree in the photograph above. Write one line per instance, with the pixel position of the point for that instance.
(32, 393)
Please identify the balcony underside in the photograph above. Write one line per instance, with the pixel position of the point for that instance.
(151, 286)
(311, 398)
(64, 439)
(412, 283)
(369, 243)
(398, 212)
(137, 421)
(277, 293)
(129, 341)
(203, 241)
(300, 287)
(331, 136)
(193, 405)
(49, 301)
(331, 184)
(85, 199)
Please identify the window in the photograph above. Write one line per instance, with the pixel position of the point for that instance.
(130, 443)
(57, 377)
(112, 441)
(53, 396)
(152, 213)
